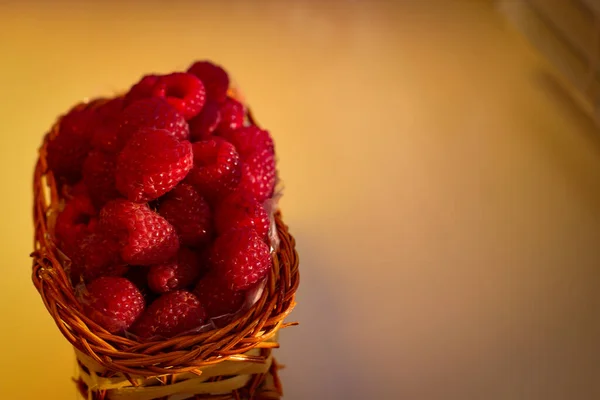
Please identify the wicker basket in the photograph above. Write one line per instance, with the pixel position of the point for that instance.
(232, 362)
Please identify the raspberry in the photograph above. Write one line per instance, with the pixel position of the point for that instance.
(182, 90)
(217, 168)
(177, 274)
(145, 237)
(99, 177)
(204, 124)
(170, 314)
(79, 121)
(104, 136)
(216, 298)
(240, 258)
(152, 163)
(259, 175)
(214, 78)
(189, 213)
(232, 115)
(154, 113)
(239, 210)
(66, 154)
(97, 255)
(249, 140)
(113, 303)
(143, 89)
(74, 221)
(257, 151)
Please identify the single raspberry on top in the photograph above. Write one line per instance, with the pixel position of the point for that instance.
(240, 209)
(216, 170)
(172, 313)
(177, 274)
(240, 258)
(112, 302)
(145, 237)
(214, 78)
(189, 213)
(99, 176)
(204, 124)
(152, 163)
(182, 90)
(151, 113)
(217, 298)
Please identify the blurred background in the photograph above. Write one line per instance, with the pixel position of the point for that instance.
(443, 186)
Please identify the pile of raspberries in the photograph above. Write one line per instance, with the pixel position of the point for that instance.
(164, 218)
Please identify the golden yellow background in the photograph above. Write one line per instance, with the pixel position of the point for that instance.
(444, 192)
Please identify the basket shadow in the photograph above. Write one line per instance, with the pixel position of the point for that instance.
(315, 353)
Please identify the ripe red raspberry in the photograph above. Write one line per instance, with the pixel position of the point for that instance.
(183, 91)
(217, 168)
(249, 140)
(259, 175)
(232, 115)
(241, 209)
(79, 121)
(104, 135)
(177, 274)
(152, 163)
(204, 124)
(214, 78)
(99, 176)
(97, 254)
(189, 213)
(151, 113)
(172, 313)
(257, 151)
(143, 89)
(74, 221)
(145, 237)
(240, 258)
(216, 298)
(113, 303)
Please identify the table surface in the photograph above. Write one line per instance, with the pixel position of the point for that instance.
(443, 190)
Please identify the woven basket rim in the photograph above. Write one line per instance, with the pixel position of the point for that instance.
(180, 354)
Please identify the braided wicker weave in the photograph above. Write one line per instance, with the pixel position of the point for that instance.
(230, 362)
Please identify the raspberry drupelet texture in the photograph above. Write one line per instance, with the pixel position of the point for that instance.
(217, 298)
(151, 113)
(152, 163)
(240, 258)
(177, 274)
(189, 213)
(172, 313)
(112, 302)
(145, 237)
(240, 209)
(217, 168)
(183, 91)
